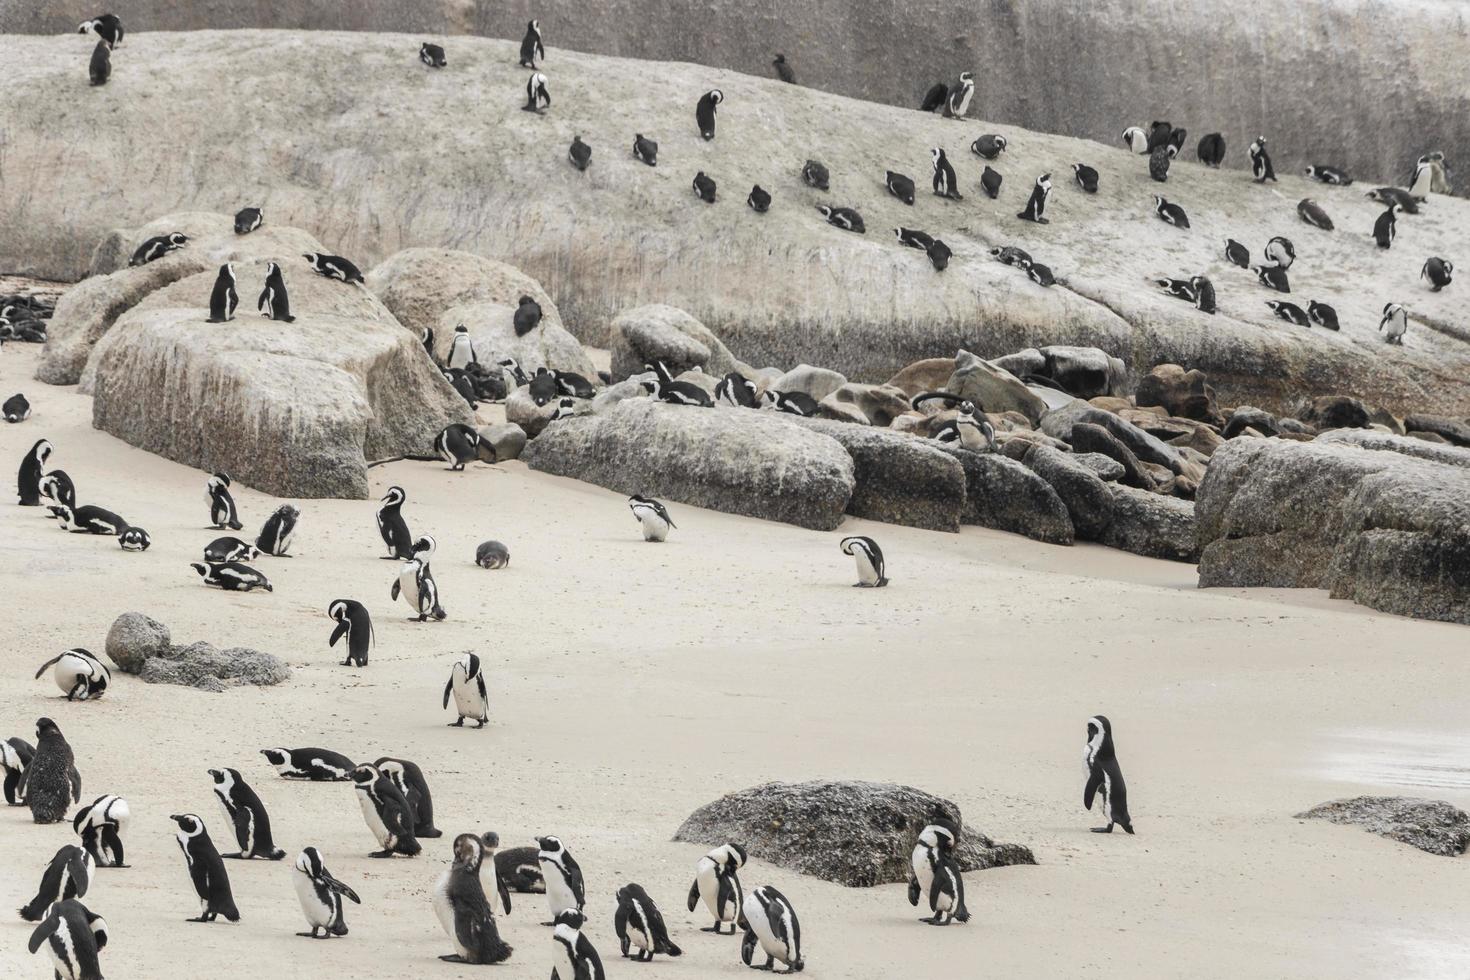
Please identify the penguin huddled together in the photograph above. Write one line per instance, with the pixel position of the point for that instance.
(35, 487)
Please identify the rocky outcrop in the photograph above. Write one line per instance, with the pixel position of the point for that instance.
(1454, 431)
(1433, 826)
(659, 333)
(1003, 494)
(1086, 496)
(1151, 525)
(853, 833)
(1380, 519)
(1186, 394)
(208, 668)
(294, 409)
(736, 461)
(134, 638)
(991, 388)
(781, 291)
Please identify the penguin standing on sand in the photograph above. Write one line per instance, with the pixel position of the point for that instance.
(1036, 206)
(1158, 162)
(1104, 777)
(717, 884)
(356, 625)
(99, 69)
(52, 781)
(222, 512)
(538, 99)
(275, 534)
(206, 870)
(466, 914)
(565, 890)
(576, 957)
(958, 102)
(246, 814)
(73, 935)
(15, 756)
(1261, 168)
(321, 896)
(638, 922)
(653, 516)
(392, 526)
(409, 779)
(467, 685)
(274, 302)
(769, 919)
(79, 674)
(313, 764)
(416, 582)
(1437, 272)
(704, 112)
(936, 876)
(68, 875)
(869, 557)
(28, 481)
(386, 813)
(457, 445)
(944, 178)
(1386, 227)
(223, 299)
(100, 825)
(531, 46)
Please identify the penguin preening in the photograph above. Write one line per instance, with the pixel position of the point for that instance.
(945, 184)
(1204, 294)
(814, 174)
(386, 812)
(1281, 251)
(79, 674)
(737, 391)
(638, 922)
(527, 316)
(1261, 168)
(467, 686)
(769, 920)
(1136, 140)
(575, 956)
(32, 467)
(1438, 272)
(275, 534)
(321, 896)
(969, 428)
(565, 890)
(15, 756)
(704, 187)
(333, 267)
(936, 876)
(409, 779)
(222, 513)
(957, 103)
(67, 875)
(273, 302)
(988, 146)
(416, 582)
(457, 445)
(206, 870)
(57, 487)
(463, 907)
(705, 111)
(73, 935)
(653, 516)
(100, 825)
(870, 567)
(108, 27)
(1394, 323)
(353, 622)
(432, 55)
(246, 815)
(531, 45)
(223, 299)
(717, 884)
(1104, 776)
(1036, 205)
(392, 527)
(538, 99)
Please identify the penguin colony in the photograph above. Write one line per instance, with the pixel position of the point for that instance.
(393, 794)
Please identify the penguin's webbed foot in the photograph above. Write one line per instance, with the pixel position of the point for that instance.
(456, 724)
(452, 958)
(238, 855)
(1102, 830)
(481, 724)
(381, 854)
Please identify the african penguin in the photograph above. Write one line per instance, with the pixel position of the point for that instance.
(527, 316)
(1322, 315)
(958, 102)
(717, 884)
(935, 97)
(1170, 213)
(223, 299)
(157, 247)
(460, 902)
(1289, 312)
(73, 935)
(1158, 162)
(638, 922)
(704, 112)
(645, 150)
(467, 685)
(666, 389)
(575, 957)
(531, 46)
(1272, 277)
(99, 68)
(386, 813)
(870, 568)
(206, 870)
(1086, 177)
(1437, 272)
(492, 554)
(814, 174)
(232, 576)
(738, 391)
(653, 516)
(1104, 776)
(100, 825)
(1136, 140)
(134, 539)
(333, 267)
(759, 199)
(1261, 168)
(1036, 205)
(15, 756)
(1311, 212)
(16, 408)
(248, 220)
(1385, 228)
(409, 779)
(990, 181)
(275, 534)
(274, 302)
(108, 27)
(1038, 273)
(790, 402)
(783, 70)
(989, 146)
(1204, 294)
(79, 674)
(461, 348)
(939, 255)
(944, 177)
(579, 153)
(770, 921)
(538, 99)
(57, 487)
(356, 625)
(970, 428)
(68, 875)
(89, 519)
(321, 896)
(52, 781)
(503, 867)
(1178, 288)
(1394, 323)
(313, 764)
(222, 513)
(936, 876)
(900, 186)
(28, 481)
(432, 55)
(245, 814)
(845, 218)
(1211, 150)
(1328, 175)
(392, 527)
(1407, 202)
(1010, 255)
(704, 187)
(913, 238)
(457, 445)
(221, 550)
(416, 582)
(565, 890)
(1281, 251)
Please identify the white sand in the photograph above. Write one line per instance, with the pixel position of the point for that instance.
(634, 682)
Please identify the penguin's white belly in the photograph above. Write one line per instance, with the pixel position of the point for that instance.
(923, 870)
(444, 909)
(867, 574)
(408, 582)
(69, 671)
(761, 926)
(654, 528)
(638, 935)
(564, 963)
(317, 913)
(709, 890)
(467, 699)
(559, 895)
(374, 821)
(971, 437)
(64, 959)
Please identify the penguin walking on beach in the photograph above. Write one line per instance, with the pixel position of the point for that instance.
(32, 468)
(409, 779)
(312, 764)
(531, 46)
(638, 922)
(1386, 227)
(52, 781)
(99, 68)
(1105, 777)
(936, 877)
(386, 813)
(769, 920)
(1261, 168)
(565, 890)
(392, 527)
(653, 516)
(274, 302)
(15, 756)
(1438, 272)
(457, 445)
(79, 674)
(101, 825)
(353, 622)
(576, 958)
(869, 558)
(1036, 205)
(246, 815)
(68, 875)
(957, 102)
(334, 267)
(223, 299)
(717, 884)
(945, 184)
(248, 220)
(579, 153)
(275, 534)
(538, 98)
(321, 896)
(1393, 324)
(467, 685)
(464, 910)
(74, 936)
(416, 582)
(206, 870)
(704, 112)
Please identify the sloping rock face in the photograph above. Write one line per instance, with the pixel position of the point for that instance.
(1098, 63)
(88, 310)
(1433, 826)
(294, 409)
(780, 288)
(667, 334)
(854, 833)
(736, 461)
(1385, 522)
(441, 288)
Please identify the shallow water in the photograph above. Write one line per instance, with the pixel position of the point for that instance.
(1391, 757)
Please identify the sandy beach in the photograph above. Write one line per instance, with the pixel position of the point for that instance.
(633, 682)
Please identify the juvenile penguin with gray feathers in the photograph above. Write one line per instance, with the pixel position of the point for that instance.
(579, 153)
(52, 781)
(1104, 777)
(463, 908)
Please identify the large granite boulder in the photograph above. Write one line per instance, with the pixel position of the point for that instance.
(1084, 372)
(1433, 826)
(739, 462)
(991, 388)
(1088, 437)
(1336, 412)
(1151, 525)
(1380, 519)
(1454, 431)
(1186, 394)
(442, 288)
(853, 833)
(1088, 499)
(134, 638)
(294, 409)
(656, 332)
(1003, 494)
(818, 382)
(88, 310)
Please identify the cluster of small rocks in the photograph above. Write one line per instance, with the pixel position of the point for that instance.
(141, 645)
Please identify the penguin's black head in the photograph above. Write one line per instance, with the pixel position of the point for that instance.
(735, 856)
(309, 862)
(45, 726)
(188, 823)
(571, 918)
(200, 567)
(550, 845)
(490, 840)
(461, 329)
(364, 775)
(276, 757)
(780, 60)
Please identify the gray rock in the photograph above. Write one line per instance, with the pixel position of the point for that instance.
(505, 441)
(1250, 417)
(1336, 412)
(1108, 470)
(202, 665)
(1058, 421)
(857, 834)
(656, 332)
(991, 388)
(1289, 424)
(1085, 371)
(815, 381)
(522, 411)
(1433, 826)
(1152, 525)
(614, 393)
(1088, 437)
(739, 462)
(1003, 494)
(1022, 362)
(1376, 522)
(899, 479)
(134, 638)
(1452, 430)
(1186, 394)
(1087, 498)
(1149, 449)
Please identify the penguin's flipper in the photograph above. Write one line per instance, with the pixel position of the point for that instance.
(448, 685)
(338, 633)
(43, 931)
(393, 593)
(501, 887)
(50, 663)
(1094, 783)
(340, 888)
(914, 891)
(480, 685)
(75, 778)
(694, 895)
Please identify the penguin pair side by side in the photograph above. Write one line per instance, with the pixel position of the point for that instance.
(386, 812)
